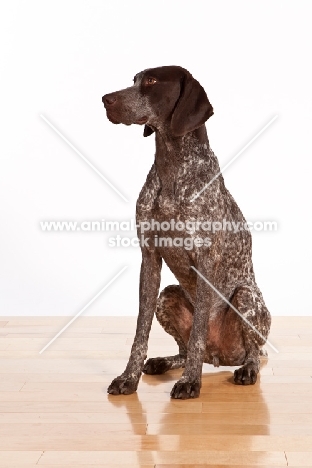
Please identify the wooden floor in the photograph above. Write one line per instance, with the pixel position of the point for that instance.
(55, 412)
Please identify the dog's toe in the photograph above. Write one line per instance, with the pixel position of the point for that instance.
(184, 390)
(122, 386)
(246, 375)
(155, 366)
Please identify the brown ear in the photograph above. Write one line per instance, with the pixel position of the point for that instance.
(192, 109)
(147, 131)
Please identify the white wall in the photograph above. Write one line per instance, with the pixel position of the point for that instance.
(59, 57)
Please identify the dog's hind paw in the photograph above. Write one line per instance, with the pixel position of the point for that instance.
(183, 390)
(155, 366)
(123, 386)
(246, 375)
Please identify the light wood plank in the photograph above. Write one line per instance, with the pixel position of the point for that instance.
(115, 369)
(51, 408)
(299, 458)
(158, 395)
(124, 458)
(231, 429)
(271, 406)
(17, 457)
(150, 384)
(286, 379)
(61, 366)
(35, 330)
(293, 371)
(7, 386)
(251, 417)
(102, 465)
(90, 343)
(93, 440)
(214, 466)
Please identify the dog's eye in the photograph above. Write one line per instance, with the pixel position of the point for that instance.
(151, 81)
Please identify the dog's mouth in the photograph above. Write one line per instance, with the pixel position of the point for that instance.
(112, 119)
(141, 121)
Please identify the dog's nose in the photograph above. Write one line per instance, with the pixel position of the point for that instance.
(108, 100)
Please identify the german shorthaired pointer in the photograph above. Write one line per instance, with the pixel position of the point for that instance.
(171, 103)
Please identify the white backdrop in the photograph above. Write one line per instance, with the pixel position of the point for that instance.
(59, 57)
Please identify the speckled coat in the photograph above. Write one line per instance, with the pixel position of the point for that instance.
(216, 313)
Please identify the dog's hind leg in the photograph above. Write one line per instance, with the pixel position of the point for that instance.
(249, 302)
(175, 314)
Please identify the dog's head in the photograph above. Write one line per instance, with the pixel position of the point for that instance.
(165, 98)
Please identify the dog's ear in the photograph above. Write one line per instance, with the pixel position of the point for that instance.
(147, 131)
(192, 109)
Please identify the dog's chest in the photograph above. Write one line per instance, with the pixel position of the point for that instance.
(169, 193)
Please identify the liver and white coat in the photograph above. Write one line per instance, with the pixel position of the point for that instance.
(171, 103)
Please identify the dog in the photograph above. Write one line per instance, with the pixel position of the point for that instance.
(216, 313)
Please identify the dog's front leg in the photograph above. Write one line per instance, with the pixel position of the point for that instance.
(128, 381)
(190, 383)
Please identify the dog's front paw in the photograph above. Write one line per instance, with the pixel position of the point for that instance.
(123, 385)
(246, 375)
(156, 366)
(184, 390)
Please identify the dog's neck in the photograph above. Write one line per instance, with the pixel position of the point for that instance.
(171, 152)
